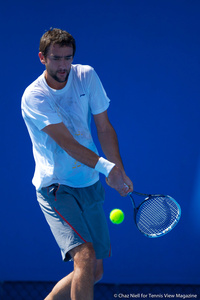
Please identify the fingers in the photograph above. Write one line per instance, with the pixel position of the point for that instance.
(129, 186)
(120, 182)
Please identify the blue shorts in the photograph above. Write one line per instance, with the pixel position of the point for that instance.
(76, 216)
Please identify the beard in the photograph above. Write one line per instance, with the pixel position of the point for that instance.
(55, 75)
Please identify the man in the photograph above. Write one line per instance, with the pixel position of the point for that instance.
(57, 110)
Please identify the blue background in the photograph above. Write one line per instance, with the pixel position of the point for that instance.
(146, 53)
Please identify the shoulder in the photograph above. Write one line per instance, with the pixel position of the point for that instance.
(82, 70)
(35, 93)
(84, 74)
(37, 87)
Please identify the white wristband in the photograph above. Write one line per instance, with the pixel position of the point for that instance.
(104, 166)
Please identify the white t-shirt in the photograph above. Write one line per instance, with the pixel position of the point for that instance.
(73, 105)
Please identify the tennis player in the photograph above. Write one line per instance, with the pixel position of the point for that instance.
(57, 109)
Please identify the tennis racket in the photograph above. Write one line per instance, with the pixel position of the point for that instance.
(156, 215)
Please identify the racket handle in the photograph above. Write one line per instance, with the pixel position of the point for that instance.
(132, 200)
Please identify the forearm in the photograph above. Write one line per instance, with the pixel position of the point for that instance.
(116, 175)
(117, 178)
(61, 135)
(110, 147)
(81, 154)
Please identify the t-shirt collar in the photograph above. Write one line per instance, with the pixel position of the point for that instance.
(66, 87)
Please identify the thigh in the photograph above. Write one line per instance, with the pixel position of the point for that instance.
(64, 216)
(84, 251)
(94, 216)
(98, 228)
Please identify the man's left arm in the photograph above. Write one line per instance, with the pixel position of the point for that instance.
(109, 144)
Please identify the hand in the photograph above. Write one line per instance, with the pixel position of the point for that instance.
(128, 183)
(118, 180)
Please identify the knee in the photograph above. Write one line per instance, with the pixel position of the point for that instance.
(85, 258)
(99, 271)
(98, 275)
(85, 254)
(88, 255)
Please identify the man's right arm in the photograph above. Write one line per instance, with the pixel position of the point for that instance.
(62, 136)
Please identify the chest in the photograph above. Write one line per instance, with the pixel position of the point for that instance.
(73, 106)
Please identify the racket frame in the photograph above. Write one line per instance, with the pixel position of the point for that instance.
(148, 196)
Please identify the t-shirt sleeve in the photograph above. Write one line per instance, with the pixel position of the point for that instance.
(98, 99)
(37, 109)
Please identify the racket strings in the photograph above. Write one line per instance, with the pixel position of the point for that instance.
(157, 215)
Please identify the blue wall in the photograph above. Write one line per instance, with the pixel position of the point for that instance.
(147, 56)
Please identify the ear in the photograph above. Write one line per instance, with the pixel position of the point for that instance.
(42, 58)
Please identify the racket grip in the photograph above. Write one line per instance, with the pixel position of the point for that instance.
(132, 200)
(127, 188)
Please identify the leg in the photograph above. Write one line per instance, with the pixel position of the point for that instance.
(87, 271)
(62, 289)
(99, 270)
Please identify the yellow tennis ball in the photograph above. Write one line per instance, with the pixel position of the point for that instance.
(117, 216)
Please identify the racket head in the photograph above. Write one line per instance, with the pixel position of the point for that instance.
(157, 215)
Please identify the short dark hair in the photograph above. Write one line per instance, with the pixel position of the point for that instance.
(56, 36)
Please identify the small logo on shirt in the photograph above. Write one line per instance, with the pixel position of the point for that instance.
(76, 165)
(82, 95)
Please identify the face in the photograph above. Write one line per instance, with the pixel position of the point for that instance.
(58, 65)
